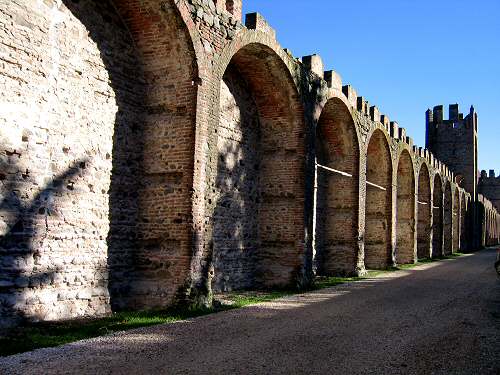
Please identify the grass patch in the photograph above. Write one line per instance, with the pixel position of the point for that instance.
(47, 334)
(40, 335)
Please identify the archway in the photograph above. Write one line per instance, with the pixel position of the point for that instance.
(405, 232)
(378, 202)
(424, 213)
(437, 223)
(258, 225)
(448, 220)
(463, 215)
(456, 221)
(337, 176)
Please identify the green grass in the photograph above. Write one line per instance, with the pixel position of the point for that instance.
(40, 335)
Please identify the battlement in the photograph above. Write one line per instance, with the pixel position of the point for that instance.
(436, 115)
(255, 21)
(489, 176)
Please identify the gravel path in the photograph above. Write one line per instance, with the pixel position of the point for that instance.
(441, 318)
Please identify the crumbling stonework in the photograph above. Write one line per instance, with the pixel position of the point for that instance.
(154, 152)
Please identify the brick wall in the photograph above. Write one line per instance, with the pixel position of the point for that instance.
(424, 212)
(378, 203)
(437, 217)
(405, 250)
(336, 227)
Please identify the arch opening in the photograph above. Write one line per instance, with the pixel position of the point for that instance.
(337, 191)
(437, 215)
(463, 215)
(378, 203)
(456, 221)
(448, 220)
(424, 210)
(405, 219)
(258, 229)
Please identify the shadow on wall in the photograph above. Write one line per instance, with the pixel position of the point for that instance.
(236, 216)
(126, 79)
(22, 243)
(21, 247)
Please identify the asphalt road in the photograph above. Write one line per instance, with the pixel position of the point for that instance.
(441, 318)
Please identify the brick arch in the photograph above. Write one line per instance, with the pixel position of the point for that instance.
(248, 37)
(405, 214)
(171, 55)
(378, 201)
(337, 192)
(437, 215)
(463, 218)
(448, 219)
(258, 227)
(424, 211)
(456, 220)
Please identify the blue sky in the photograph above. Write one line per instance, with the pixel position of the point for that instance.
(404, 55)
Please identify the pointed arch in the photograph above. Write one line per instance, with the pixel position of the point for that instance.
(424, 211)
(405, 215)
(456, 220)
(437, 217)
(448, 219)
(258, 229)
(337, 181)
(378, 202)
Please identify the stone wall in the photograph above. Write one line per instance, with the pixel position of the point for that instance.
(154, 152)
(69, 95)
(236, 225)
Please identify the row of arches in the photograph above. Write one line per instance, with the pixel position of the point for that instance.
(211, 148)
(251, 167)
(425, 225)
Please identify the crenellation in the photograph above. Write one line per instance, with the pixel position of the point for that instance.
(314, 63)
(351, 95)
(402, 134)
(437, 114)
(333, 80)
(375, 114)
(384, 119)
(255, 21)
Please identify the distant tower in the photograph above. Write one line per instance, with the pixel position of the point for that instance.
(454, 142)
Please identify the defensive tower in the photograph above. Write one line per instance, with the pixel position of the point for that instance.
(454, 142)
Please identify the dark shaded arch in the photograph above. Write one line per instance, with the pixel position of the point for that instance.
(378, 202)
(258, 233)
(456, 221)
(448, 220)
(424, 210)
(337, 202)
(159, 265)
(463, 218)
(405, 219)
(437, 216)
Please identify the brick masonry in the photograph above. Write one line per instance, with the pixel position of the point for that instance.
(154, 152)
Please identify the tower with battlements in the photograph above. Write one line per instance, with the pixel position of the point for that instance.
(454, 142)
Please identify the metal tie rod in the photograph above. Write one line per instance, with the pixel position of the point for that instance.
(424, 203)
(348, 175)
(376, 186)
(334, 170)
